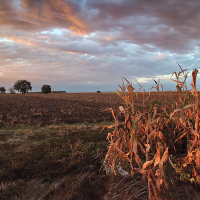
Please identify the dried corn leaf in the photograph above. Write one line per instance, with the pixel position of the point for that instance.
(155, 81)
(141, 147)
(117, 143)
(189, 158)
(147, 147)
(159, 179)
(122, 110)
(195, 174)
(157, 156)
(192, 91)
(109, 137)
(172, 164)
(182, 119)
(157, 172)
(141, 171)
(157, 159)
(122, 153)
(198, 158)
(183, 109)
(113, 115)
(176, 81)
(147, 163)
(127, 81)
(161, 169)
(160, 135)
(112, 126)
(155, 120)
(190, 106)
(135, 142)
(147, 98)
(138, 160)
(165, 155)
(152, 133)
(194, 76)
(180, 137)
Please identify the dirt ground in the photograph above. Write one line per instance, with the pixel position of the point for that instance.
(45, 109)
(54, 108)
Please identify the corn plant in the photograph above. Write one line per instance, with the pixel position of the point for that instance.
(149, 141)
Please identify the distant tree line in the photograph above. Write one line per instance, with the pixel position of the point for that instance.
(23, 86)
(58, 91)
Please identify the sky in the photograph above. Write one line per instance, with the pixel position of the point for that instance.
(90, 45)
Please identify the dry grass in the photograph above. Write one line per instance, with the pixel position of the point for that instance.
(52, 162)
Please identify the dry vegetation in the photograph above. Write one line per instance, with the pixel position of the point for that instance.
(161, 143)
(52, 162)
(155, 139)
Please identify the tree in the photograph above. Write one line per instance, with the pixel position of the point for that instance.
(11, 90)
(22, 86)
(46, 89)
(2, 89)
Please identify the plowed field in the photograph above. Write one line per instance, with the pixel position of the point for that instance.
(43, 109)
(55, 108)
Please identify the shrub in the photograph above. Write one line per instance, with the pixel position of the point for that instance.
(46, 89)
(98, 91)
(2, 89)
(11, 90)
(22, 86)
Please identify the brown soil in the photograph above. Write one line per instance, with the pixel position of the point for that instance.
(55, 108)
(44, 109)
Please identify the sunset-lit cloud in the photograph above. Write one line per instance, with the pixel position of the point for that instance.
(85, 45)
(21, 41)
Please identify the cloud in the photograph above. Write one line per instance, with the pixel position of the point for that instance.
(96, 43)
(41, 14)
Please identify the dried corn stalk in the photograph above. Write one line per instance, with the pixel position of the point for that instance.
(144, 143)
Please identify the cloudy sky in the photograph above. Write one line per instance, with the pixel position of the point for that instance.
(83, 45)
